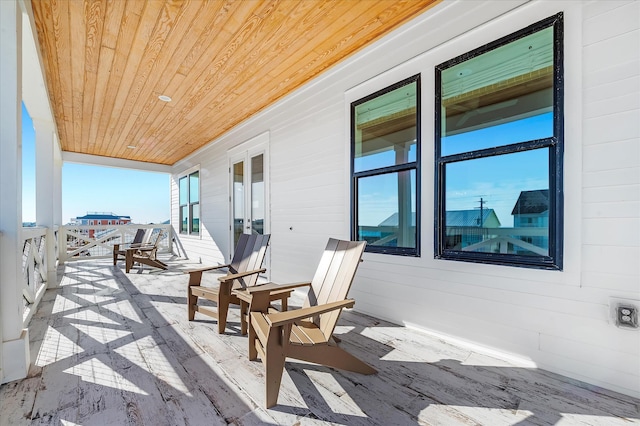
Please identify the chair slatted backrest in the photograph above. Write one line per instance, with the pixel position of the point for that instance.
(137, 239)
(146, 238)
(248, 256)
(333, 278)
(144, 249)
(157, 239)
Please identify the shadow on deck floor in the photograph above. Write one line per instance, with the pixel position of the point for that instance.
(115, 348)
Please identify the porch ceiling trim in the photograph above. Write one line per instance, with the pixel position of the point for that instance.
(97, 160)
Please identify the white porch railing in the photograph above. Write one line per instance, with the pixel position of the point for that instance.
(34, 268)
(71, 243)
(471, 238)
(503, 240)
(81, 241)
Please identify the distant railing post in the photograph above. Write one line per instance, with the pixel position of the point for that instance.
(50, 260)
(62, 245)
(169, 233)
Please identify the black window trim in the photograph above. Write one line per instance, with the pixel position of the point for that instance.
(189, 205)
(555, 144)
(399, 251)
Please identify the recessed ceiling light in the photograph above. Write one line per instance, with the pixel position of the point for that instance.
(164, 98)
(131, 147)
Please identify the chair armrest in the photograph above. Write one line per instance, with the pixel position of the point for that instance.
(281, 318)
(125, 246)
(135, 245)
(142, 248)
(240, 275)
(206, 268)
(269, 287)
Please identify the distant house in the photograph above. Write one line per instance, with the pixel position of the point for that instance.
(388, 234)
(532, 211)
(393, 220)
(472, 217)
(101, 218)
(458, 221)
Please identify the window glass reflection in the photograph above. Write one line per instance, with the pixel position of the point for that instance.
(385, 129)
(499, 204)
(500, 97)
(257, 194)
(387, 209)
(183, 186)
(194, 187)
(195, 218)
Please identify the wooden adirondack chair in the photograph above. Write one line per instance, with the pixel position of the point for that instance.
(306, 333)
(145, 254)
(119, 250)
(243, 273)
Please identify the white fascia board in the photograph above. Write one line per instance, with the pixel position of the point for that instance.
(96, 160)
(34, 89)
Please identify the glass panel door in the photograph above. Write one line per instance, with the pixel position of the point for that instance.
(257, 194)
(248, 194)
(237, 201)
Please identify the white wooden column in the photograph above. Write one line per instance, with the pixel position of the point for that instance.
(47, 185)
(14, 354)
(57, 182)
(57, 199)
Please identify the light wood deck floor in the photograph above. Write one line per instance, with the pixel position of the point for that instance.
(115, 348)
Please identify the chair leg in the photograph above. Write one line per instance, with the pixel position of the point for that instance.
(259, 304)
(195, 278)
(223, 309)
(192, 302)
(253, 352)
(244, 310)
(128, 261)
(253, 340)
(274, 368)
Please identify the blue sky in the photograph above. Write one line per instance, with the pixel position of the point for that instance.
(498, 180)
(28, 168)
(145, 196)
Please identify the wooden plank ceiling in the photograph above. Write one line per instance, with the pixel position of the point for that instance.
(106, 63)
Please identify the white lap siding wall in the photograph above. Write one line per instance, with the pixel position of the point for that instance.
(559, 321)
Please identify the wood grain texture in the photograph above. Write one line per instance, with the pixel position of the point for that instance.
(115, 348)
(106, 63)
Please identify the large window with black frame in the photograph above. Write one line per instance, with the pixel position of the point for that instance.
(189, 200)
(385, 153)
(498, 151)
